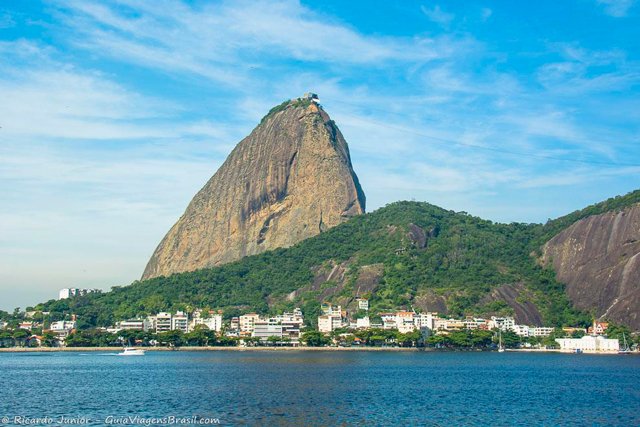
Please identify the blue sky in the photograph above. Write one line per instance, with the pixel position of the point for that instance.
(115, 113)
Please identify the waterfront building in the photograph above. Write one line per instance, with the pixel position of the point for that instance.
(404, 322)
(62, 327)
(474, 323)
(247, 322)
(234, 325)
(213, 321)
(521, 330)
(424, 321)
(163, 322)
(540, 331)
(363, 323)
(328, 323)
(72, 292)
(440, 324)
(134, 325)
(180, 322)
(502, 323)
(589, 344)
(3, 325)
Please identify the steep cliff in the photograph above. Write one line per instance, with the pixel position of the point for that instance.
(289, 180)
(598, 257)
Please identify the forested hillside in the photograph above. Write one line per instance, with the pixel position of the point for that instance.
(426, 257)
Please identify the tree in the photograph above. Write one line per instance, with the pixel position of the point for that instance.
(49, 339)
(273, 340)
(315, 339)
(20, 336)
(172, 338)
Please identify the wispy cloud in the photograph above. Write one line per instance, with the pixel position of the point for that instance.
(438, 15)
(616, 8)
(213, 40)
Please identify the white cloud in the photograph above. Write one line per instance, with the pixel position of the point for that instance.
(438, 15)
(222, 42)
(616, 8)
(485, 14)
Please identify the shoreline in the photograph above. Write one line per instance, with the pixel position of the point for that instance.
(285, 349)
(119, 349)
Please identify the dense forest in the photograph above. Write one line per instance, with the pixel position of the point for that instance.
(421, 247)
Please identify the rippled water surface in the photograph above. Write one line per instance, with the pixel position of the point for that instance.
(327, 388)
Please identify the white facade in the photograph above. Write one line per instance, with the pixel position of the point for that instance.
(72, 292)
(62, 327)
(502, 323)
(363, 304)
(540, 331)
(213, 322)
(589, 344)
(3, 325)
(424, 321)
(363, 323)
(247, 322)
(521, 330)
(135, 325)
(163, 322)
(328, 323)
(180, 322)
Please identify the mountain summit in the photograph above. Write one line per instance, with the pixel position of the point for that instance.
(289, 180)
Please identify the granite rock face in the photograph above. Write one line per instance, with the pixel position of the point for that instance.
(289, 180)
(598, 258)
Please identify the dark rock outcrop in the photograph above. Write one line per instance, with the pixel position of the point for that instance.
(598, 258)
(289, 180)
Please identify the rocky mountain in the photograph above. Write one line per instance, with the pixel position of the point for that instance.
(598, 257)
(289, 180)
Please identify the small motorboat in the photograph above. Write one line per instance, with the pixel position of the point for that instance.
(131, 351)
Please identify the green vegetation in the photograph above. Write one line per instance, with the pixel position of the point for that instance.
(464, 259)
(285, 105)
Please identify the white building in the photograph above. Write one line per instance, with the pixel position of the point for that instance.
(328, 323)
(62, 327)
(135, 325)
(213, 321)
(247, 322)
(440, 324)
(424, 321)
(589, 344)
(284, 326)
(363, 323)
(540, 331)
(180, 322)
(163, 322)
(521, 330)
(3, 325)
(72, 292)
(363, 304)
(502, 323)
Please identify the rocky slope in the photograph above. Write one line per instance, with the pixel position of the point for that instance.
(598, 257)
(289, 180)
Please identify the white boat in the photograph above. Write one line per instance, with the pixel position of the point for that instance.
(130, 351)
(625, 349)
(500, 346)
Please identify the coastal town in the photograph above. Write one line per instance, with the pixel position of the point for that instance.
(334, 326)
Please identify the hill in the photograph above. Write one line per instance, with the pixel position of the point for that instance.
(407, 254)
